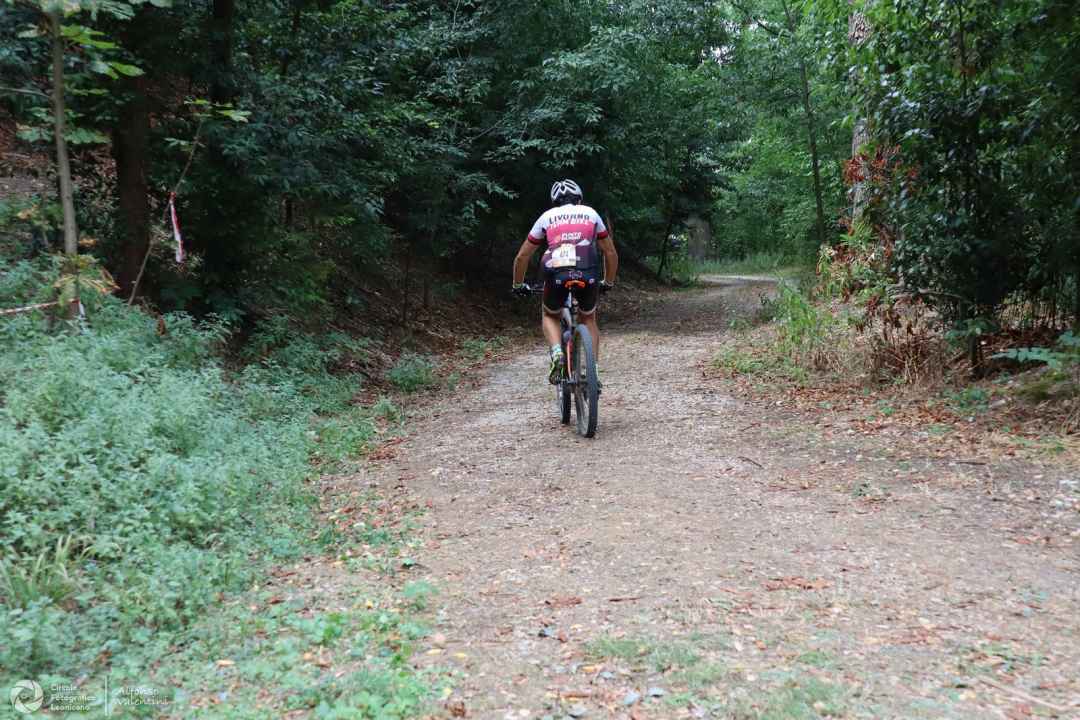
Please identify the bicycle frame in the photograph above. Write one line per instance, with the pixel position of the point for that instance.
(569, 322)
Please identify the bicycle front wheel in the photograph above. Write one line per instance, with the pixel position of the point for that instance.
(562, 399)
(586, 386)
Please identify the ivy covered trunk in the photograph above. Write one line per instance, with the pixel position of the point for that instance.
(858, 32)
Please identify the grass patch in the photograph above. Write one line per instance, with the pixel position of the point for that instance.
(703, 676)
(282, 659)
(607, 648)
(666, 656)
(657, 655)
(969, 401)
(760, 263)
(817, 659)
(740, 362)
(798, 699)
(412, 373)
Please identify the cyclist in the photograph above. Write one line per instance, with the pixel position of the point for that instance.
(571, 232)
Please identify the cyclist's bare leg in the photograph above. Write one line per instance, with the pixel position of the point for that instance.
(589, 321)
(552, 329)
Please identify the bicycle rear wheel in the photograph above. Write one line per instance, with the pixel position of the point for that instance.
(586, 387)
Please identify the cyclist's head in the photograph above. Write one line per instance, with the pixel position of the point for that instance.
(564, 192)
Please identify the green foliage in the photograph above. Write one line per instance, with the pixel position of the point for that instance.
(806, 329)
(678, 268)
(275, 646)
(976, 102)
(763, 262)
(412, 373)
(418, 593)
(768, 204)
(384, 408)
(969, 400)
(160, 474)
(47, 578)
(740, 362)
(476, 349)
(1066, 354)
(799, 699)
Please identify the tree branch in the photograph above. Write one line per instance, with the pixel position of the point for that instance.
(35, 93)
(775, 32)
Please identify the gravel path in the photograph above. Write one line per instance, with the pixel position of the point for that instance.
(709, 557)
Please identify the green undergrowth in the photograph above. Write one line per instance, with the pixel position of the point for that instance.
(761, 263)
(284, 658)
(706, 676)
(800, 338)
(144, 481)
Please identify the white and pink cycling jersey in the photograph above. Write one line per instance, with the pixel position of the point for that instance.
(571, 232)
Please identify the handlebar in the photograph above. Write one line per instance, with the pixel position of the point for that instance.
(528, 290)
(539, 289)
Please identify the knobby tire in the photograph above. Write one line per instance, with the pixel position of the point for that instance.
(586, 385)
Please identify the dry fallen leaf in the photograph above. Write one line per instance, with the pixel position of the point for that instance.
(562, 601)
(796, 583)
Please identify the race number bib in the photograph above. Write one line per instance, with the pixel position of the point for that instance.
(564, 256)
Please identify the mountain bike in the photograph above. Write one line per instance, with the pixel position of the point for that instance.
(579, 383)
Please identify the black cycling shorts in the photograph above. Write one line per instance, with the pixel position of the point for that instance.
(582, 283)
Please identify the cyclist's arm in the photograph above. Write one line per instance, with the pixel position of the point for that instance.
(524, 255)
(611, 258)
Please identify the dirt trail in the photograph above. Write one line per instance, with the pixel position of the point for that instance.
(723, 559)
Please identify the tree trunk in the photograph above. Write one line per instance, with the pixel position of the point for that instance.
(858, 32)
(130, 142)
(1076, 301)
(811, 125)
(215, 237)
(815, 161)
(405, 285)
(221, 47)
(63, 164)
(664, 248)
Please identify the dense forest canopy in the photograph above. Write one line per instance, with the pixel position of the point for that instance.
(326, 134)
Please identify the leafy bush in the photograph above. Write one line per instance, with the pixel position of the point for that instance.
(978, 206)
(1061, 379)
(807, 331)
(1066, 355)
(412, 373)
(161, 475)
(21, 281)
